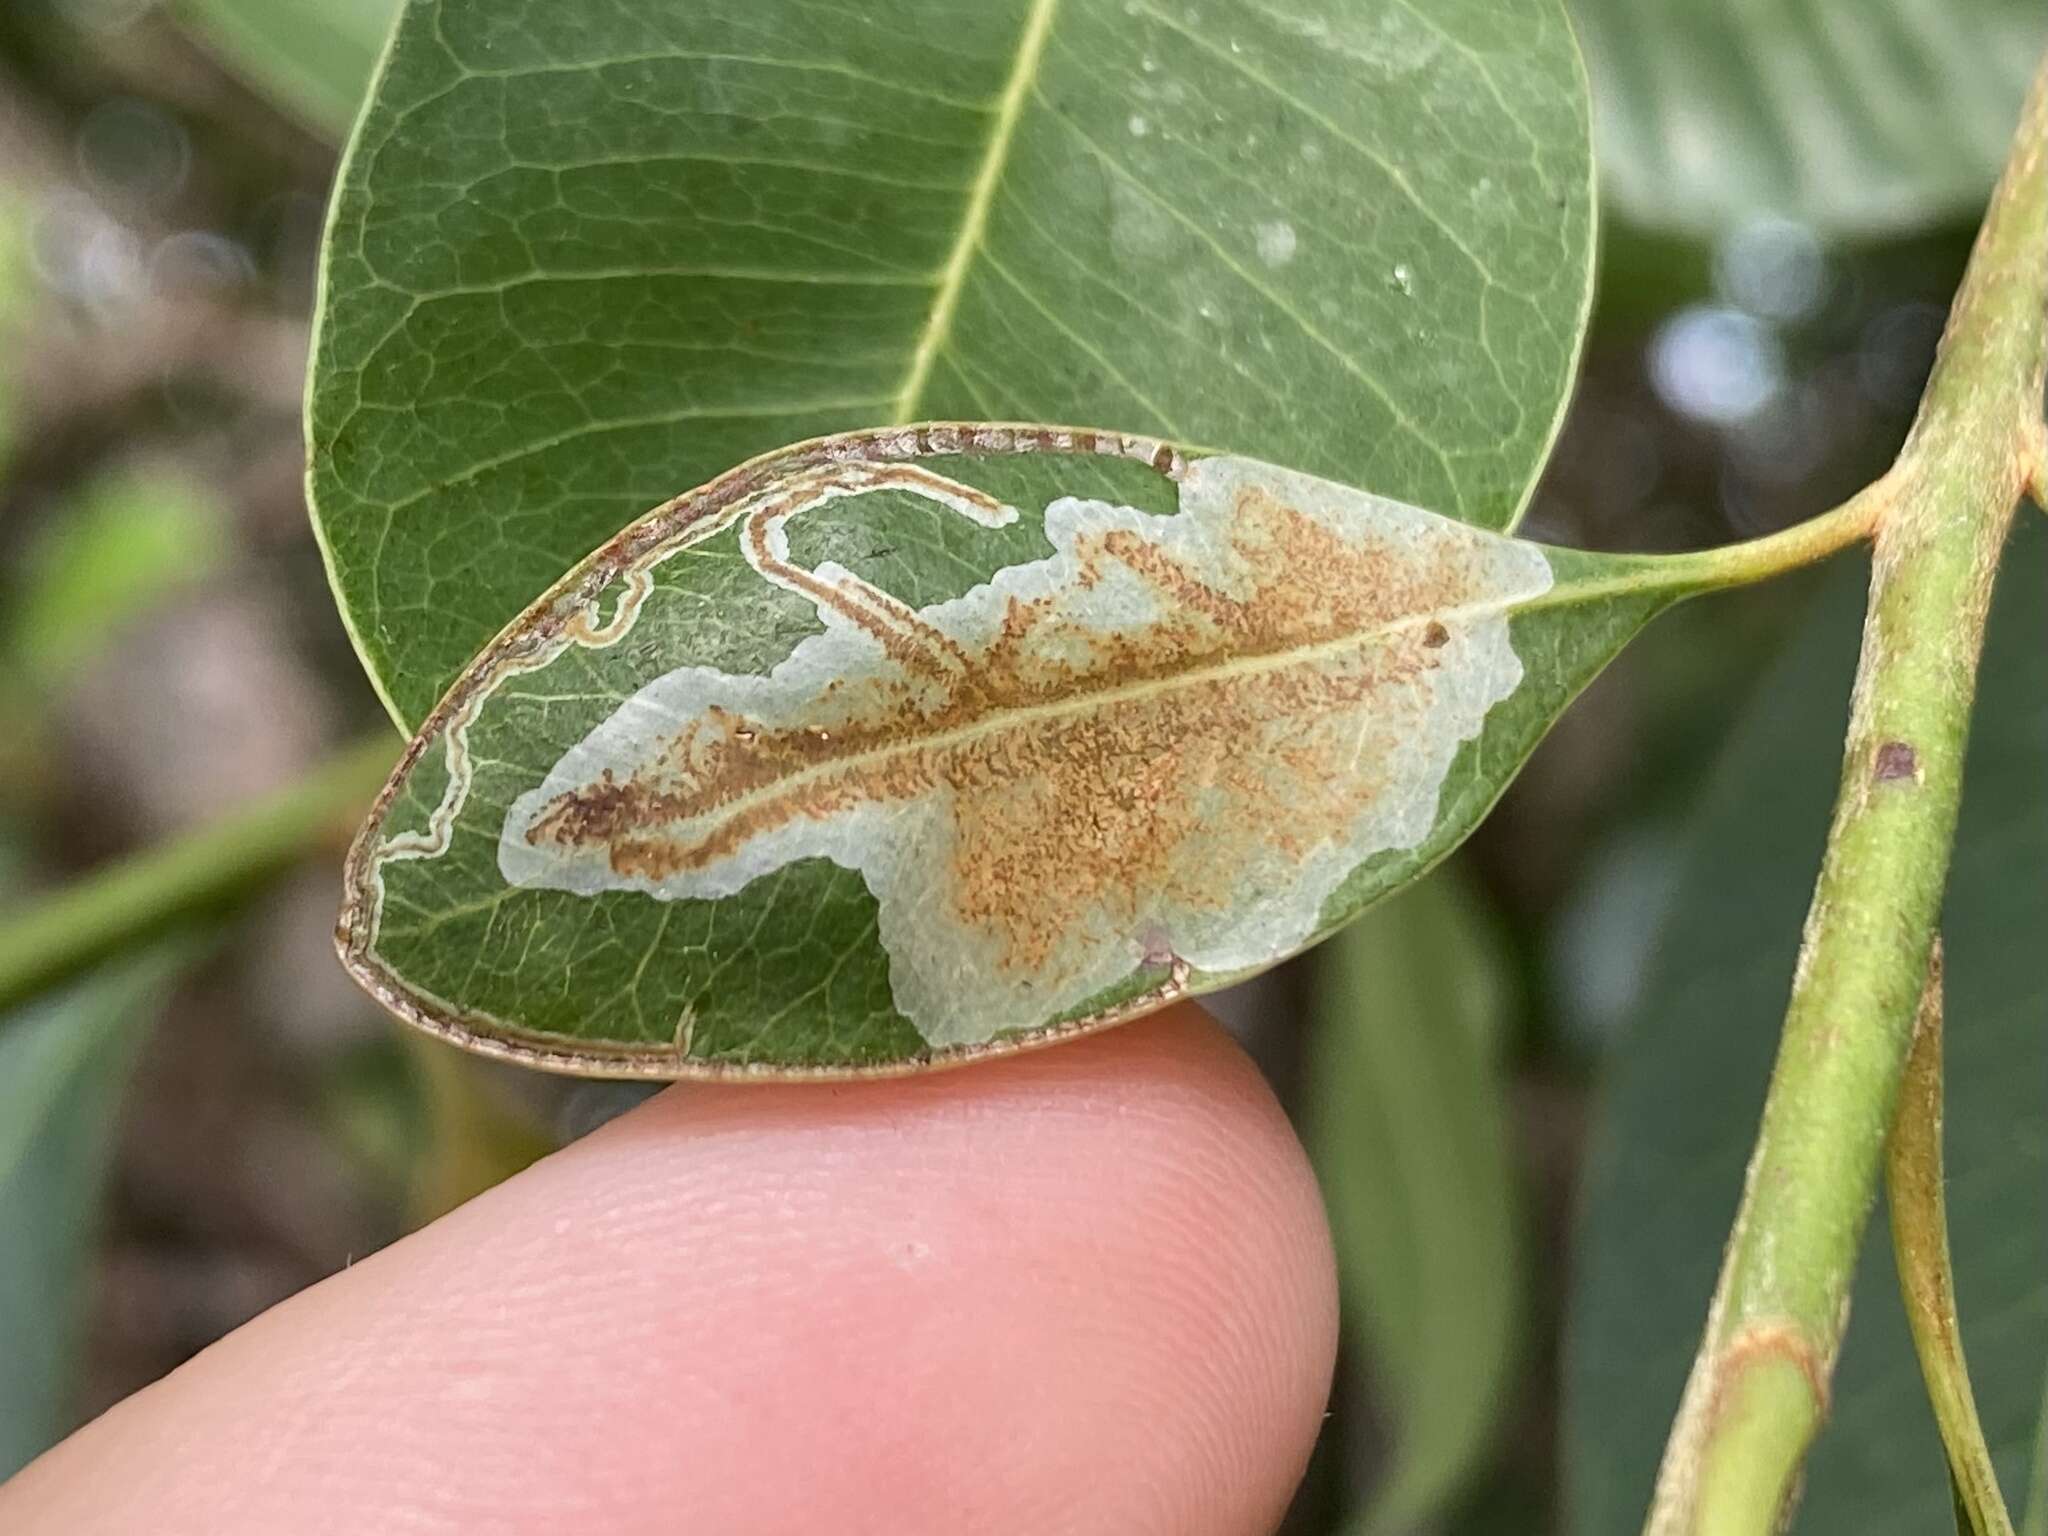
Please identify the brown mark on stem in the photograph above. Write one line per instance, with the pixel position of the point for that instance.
(1897, 760)
(1774, 1340)
(2037, 465)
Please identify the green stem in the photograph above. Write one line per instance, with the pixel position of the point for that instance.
(1913, 1188)
(1758, 1389)
(47, 941)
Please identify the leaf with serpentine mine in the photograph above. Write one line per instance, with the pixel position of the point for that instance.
(906, 746)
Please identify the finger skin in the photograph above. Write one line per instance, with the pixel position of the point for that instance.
(1083, 1290)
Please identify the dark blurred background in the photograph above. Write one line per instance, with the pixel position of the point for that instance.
(168, 649)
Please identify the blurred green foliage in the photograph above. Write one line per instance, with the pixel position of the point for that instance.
(130, 538)
(17, 304)
(312, 57)
(1409, 1124)
(101, 561)
(1859, 120)
(64, 1064)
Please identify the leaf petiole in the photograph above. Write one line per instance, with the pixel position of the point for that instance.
(1853, 522)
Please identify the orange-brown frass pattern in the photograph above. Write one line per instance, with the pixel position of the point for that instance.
(1169, 741)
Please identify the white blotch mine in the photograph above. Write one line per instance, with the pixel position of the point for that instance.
(1277, 242)
(1221, 897)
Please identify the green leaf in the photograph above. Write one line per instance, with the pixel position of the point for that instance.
(910, 745)
(1857, 117)
(64, 1062)
(581, 258)
(1686, 1089)
(1411, 1134)
(312, 57)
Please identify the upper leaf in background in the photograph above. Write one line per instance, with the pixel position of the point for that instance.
(582, 258)
(314, 58)
(909, 745)
(1687, 1085)
(1856, 117)
(1411, 1132)
(63, 1064)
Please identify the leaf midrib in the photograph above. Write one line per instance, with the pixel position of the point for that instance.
(1669, 576)
(1083, 701)
(980, 199)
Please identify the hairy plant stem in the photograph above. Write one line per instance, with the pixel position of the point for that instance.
(206, 871)
(1759, 1385)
